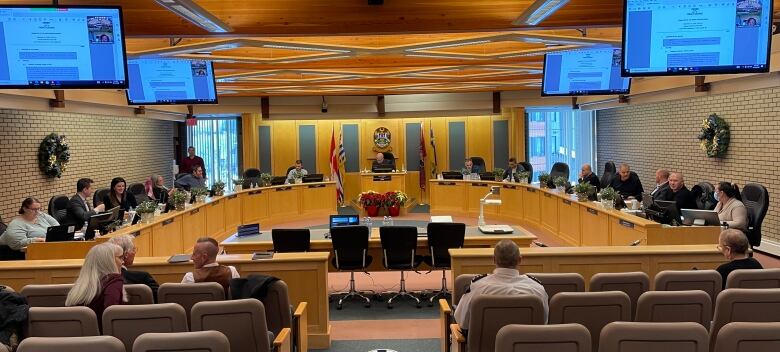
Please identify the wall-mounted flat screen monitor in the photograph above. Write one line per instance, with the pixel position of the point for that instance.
(62, 47)
(676, 37)
(593, 71)
(170, 81)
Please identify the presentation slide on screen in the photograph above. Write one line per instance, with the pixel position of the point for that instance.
(165, 81)
(674, 35)
(59, 46)
(580, 72)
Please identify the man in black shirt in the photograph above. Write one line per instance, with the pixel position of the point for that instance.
(734, 245)
(679, 193)
(587, 176)
(627, 183)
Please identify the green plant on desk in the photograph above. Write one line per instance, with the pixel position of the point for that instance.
(218, 188)
(608, 196)
(178, 198)
(522, 176)
(560, 183)
(583, 191)
(498, 173)
(265, 179)
(544, 179)
(200, 194)
(146, 211)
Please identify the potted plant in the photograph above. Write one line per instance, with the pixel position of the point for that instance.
(522, 176)
(544, 179)
(583, 191)
(394, 200)
(297, 176)
(200, 194)
(238, 183)
(498, 173)
(560, 183)
(146, 211)
(371, 201)
(265, 179)
(178, 198)
(218, 188)
(608, 197)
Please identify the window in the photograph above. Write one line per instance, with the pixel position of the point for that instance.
(560, 135)
(216, 141)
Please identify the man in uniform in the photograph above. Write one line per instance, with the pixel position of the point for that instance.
(505, 280)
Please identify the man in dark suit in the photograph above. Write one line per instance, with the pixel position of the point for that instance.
(381, 163)
(79, 208)
(662, 184)
(587, 176)
(512, 169)
(679, 193)
(128, 256)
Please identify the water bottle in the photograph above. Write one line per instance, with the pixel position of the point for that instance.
(390, 220)
(386, 221)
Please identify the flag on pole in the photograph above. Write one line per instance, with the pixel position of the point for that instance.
(434, 165)
(334, 168)
(342, 165)
(423, 154)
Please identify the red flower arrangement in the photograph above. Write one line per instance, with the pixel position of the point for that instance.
(371, 198)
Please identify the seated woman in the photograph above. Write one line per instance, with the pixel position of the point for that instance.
(118, 197)
(128, 256)
(730, 208)
(160, 192)
(99, 284)
(733, 244)
(29, 227)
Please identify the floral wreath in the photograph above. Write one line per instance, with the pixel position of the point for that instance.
(53, 155)
(714, 136)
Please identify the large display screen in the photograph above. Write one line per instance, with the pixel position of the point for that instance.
(62, 47)
(171, 81)
(677, 37)
(584, 72)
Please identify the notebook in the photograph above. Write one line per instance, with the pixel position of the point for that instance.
(179, 258)
(248, 230)
(262, 255)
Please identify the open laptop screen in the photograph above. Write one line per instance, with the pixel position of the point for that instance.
(344, 220)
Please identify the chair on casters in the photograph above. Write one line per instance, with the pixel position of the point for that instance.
(399, 249)
(350, 248)
(756, 200)
(442, 237)
(291, 240)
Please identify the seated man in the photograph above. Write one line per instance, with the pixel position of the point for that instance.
(193, 180)
(662, 184)
(204, 256)
(128, 256)
(80, 206)
(733, 244)
(381, 163)
(510, 174)
(587, 176)
(298, 170)
(627, 183)
(469, 167)
(505, 280)
(679, 193)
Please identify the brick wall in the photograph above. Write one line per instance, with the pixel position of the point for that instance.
(102, 147)
(663, 135)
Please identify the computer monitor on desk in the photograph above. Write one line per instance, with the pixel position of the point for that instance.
(382, 168)
(671, 215)
(344, 220)
(312, 178)
(278, 180)
(97, 222)
(452, 175)
(700, 217)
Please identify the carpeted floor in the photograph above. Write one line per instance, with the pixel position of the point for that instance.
(419, 345)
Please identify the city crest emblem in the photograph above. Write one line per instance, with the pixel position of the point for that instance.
(382, 139)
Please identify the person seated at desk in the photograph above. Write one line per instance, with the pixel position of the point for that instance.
(156, 190)
(627, 183)
(128, 256)
(30, 226)
(80, 207)
(99, 284)
(469, 167)
(204, 256)
(587, 176)
(505, 280)
(679, 193)
(297, 171)
(733, 244)
(118, 196)
(193, 180)
(512, 170)
(661, 184)
(730, 208)
(380, 163)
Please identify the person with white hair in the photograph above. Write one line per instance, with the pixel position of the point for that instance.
(100, 283)
(128, 256)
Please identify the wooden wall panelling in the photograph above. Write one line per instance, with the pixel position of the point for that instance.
(479, 139)
(249, 141)
(284, 146)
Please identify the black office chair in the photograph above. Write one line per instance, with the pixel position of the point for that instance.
(291, 240)
(441, 237)
(350, 248)
(479, 162)
(58, 208)
(756, 200)
(399, 249)
(97, 198)
(529, 168)
(559, 169)
(251, 176)
(179, 175)
(6, 253)
(391, 157)
(136, 189)
(609, 173)
(704, 193)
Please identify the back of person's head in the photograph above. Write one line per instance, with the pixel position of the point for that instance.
(123, 241)
(512, 160)
(98, 263)
(27, 203)
(506, 254)
(83, 183)
(731, 190)
(209, 246)
(734, 239)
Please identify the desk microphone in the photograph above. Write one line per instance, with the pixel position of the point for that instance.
(540, 244)
(636, 243)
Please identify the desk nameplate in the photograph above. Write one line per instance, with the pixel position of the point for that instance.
(627, 224)
(382, 178)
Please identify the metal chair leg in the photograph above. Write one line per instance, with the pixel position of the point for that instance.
(443, 291)
(352, 292)
(402, 292)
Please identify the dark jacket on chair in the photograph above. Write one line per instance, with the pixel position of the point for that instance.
(141, 277)
(255, 286)
(13, 314)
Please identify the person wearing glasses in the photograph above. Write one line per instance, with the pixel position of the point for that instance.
(733, 244)
(731, 210)
(30, 226)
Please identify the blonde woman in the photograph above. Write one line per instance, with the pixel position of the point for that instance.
(99, 284)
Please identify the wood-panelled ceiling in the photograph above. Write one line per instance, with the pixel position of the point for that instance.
(347, 47)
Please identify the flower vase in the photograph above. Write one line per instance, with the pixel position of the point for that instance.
(237, 188)
(608, 204)
(372, 210)
(147, 218)
(179, 206)
(394, 210)
(582, 197)
(298, 181)
(200, 199)
(561, 189)
(498, 178)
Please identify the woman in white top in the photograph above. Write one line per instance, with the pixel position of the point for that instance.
(29, 227)
(730, 208)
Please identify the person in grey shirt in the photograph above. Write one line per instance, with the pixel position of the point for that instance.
(193, 180)
(29, 227)
(299, 170)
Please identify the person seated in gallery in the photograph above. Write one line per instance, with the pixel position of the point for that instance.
(733, 244)
(627, 183)
(298, 170)
(679, 193)
(587, 176)
(193, 180)
(118, 196)
(99, 284)
(30, 226)
(204, 257)
(128, 256)
(380, 163)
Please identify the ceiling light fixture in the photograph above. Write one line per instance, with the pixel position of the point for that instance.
(314, 59)
(538, 12)
(290, 47)
(442, 56)
(192, 12)
(451, 45)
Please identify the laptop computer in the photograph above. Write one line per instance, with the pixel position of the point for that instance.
(700, 217)
(248, 230)
(61, 233)
(343, 220)
(452, 175)
(278, 180)
(312, 178)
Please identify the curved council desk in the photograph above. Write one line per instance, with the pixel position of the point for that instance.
(561, 215)
(218, 217)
